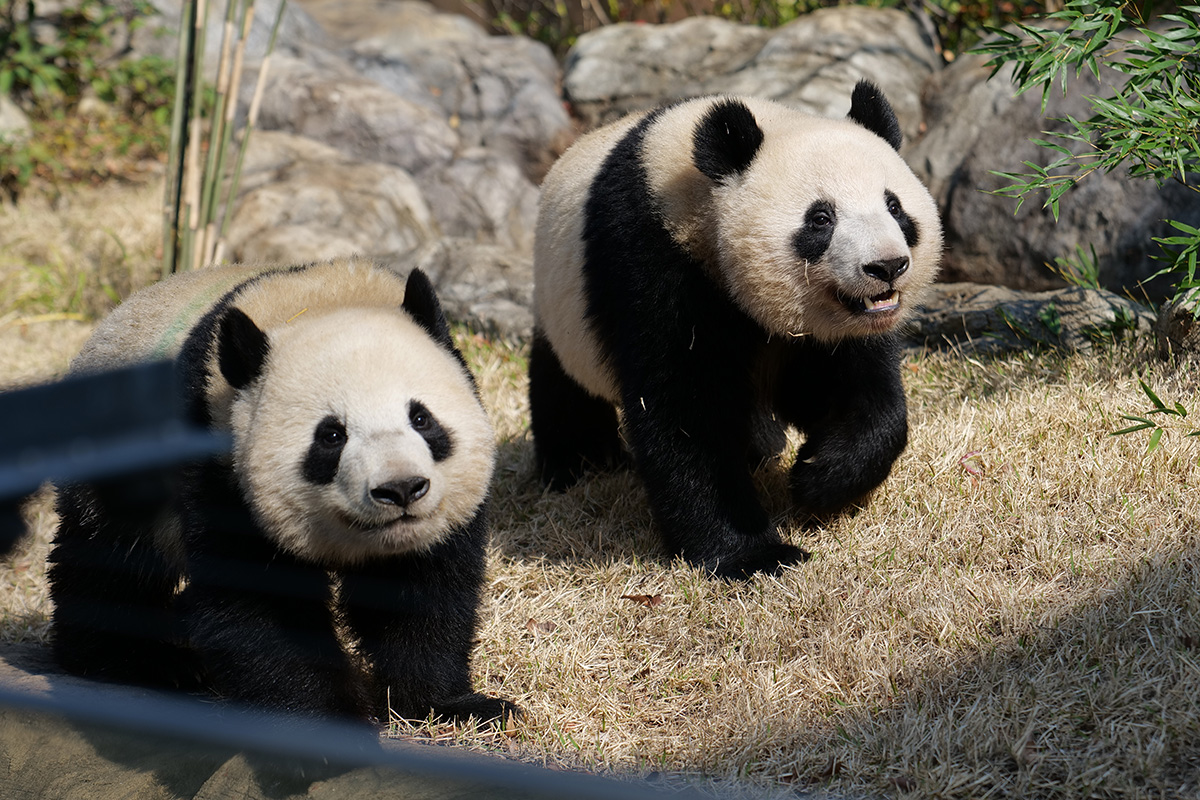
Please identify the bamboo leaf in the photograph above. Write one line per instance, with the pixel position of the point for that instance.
(1158, 404)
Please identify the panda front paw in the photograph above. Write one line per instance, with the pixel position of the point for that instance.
(824, 493)
(768, 558)
(483, 708)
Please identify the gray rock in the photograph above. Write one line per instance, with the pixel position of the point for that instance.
(497, 92)
(486, 285)
(1177, 330)
(358, 117)
(416, 21)
(484, 197)
(983, 319)
(299, 34)
(811, 63)
(304, 201)
(976, 126)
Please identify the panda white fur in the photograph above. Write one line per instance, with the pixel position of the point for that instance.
(717, 269)
(354, 501)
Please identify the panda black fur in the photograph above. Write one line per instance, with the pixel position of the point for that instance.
(717, 269)
(352, 510)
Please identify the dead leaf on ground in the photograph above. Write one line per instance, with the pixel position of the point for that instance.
(647, 600)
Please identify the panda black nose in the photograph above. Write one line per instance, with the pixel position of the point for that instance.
(401, 492)
(887, 269)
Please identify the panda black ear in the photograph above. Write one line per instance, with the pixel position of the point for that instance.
(421, 303)
(869, 108)
(242, 348)
(726, 139)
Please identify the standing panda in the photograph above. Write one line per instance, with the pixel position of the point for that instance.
(716, 270)
(332, 565)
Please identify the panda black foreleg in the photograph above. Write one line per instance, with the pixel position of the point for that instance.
(415, 618)
(691, 452)
(572, 430)
(113, 589)
(260, 619)
(849, 402)
(267, 638)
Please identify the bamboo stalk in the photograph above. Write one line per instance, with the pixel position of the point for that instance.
(179, 127)
(211, 177)
(196, 87)
(216, 248)
(244, 137)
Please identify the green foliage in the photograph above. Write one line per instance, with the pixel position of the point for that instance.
(52, 60)
(50, 65)
(1081, 269)
(1158, 410)
(1147, 121)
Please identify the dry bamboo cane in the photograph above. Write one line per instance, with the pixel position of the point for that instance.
(244, 138)
(211, 177)
(217, 237)
(172, 192)
(192, 159)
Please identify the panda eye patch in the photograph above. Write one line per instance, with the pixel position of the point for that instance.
(330, 433)
(820, 215)
(908, 226)
(812, 239)
(320, 463)
(893, 205)
(436, 437)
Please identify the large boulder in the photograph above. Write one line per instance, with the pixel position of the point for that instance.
(977, 126)
(299, 34)
(356, 116)
(811, 63)
(305, 201)
(498, 92)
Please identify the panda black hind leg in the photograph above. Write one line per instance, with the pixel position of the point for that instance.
(572, 430)
(849, 402)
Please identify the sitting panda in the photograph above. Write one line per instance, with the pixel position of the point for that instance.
(332, 565)
(718, 269)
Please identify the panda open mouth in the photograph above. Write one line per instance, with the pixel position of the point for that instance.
(879, 304)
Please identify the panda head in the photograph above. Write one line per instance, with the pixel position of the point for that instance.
(820, 227)
(358, 433)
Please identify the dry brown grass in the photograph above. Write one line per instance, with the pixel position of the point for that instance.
(1020, 622)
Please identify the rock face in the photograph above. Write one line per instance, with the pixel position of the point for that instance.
(1177, 330)
(811, 63)
(392, 129)
(303, 201)
(982, 319)
(975, 126)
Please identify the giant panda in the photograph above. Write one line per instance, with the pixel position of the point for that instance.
(716, 270)
(332, 564)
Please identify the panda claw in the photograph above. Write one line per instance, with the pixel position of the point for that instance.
(769, 559)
